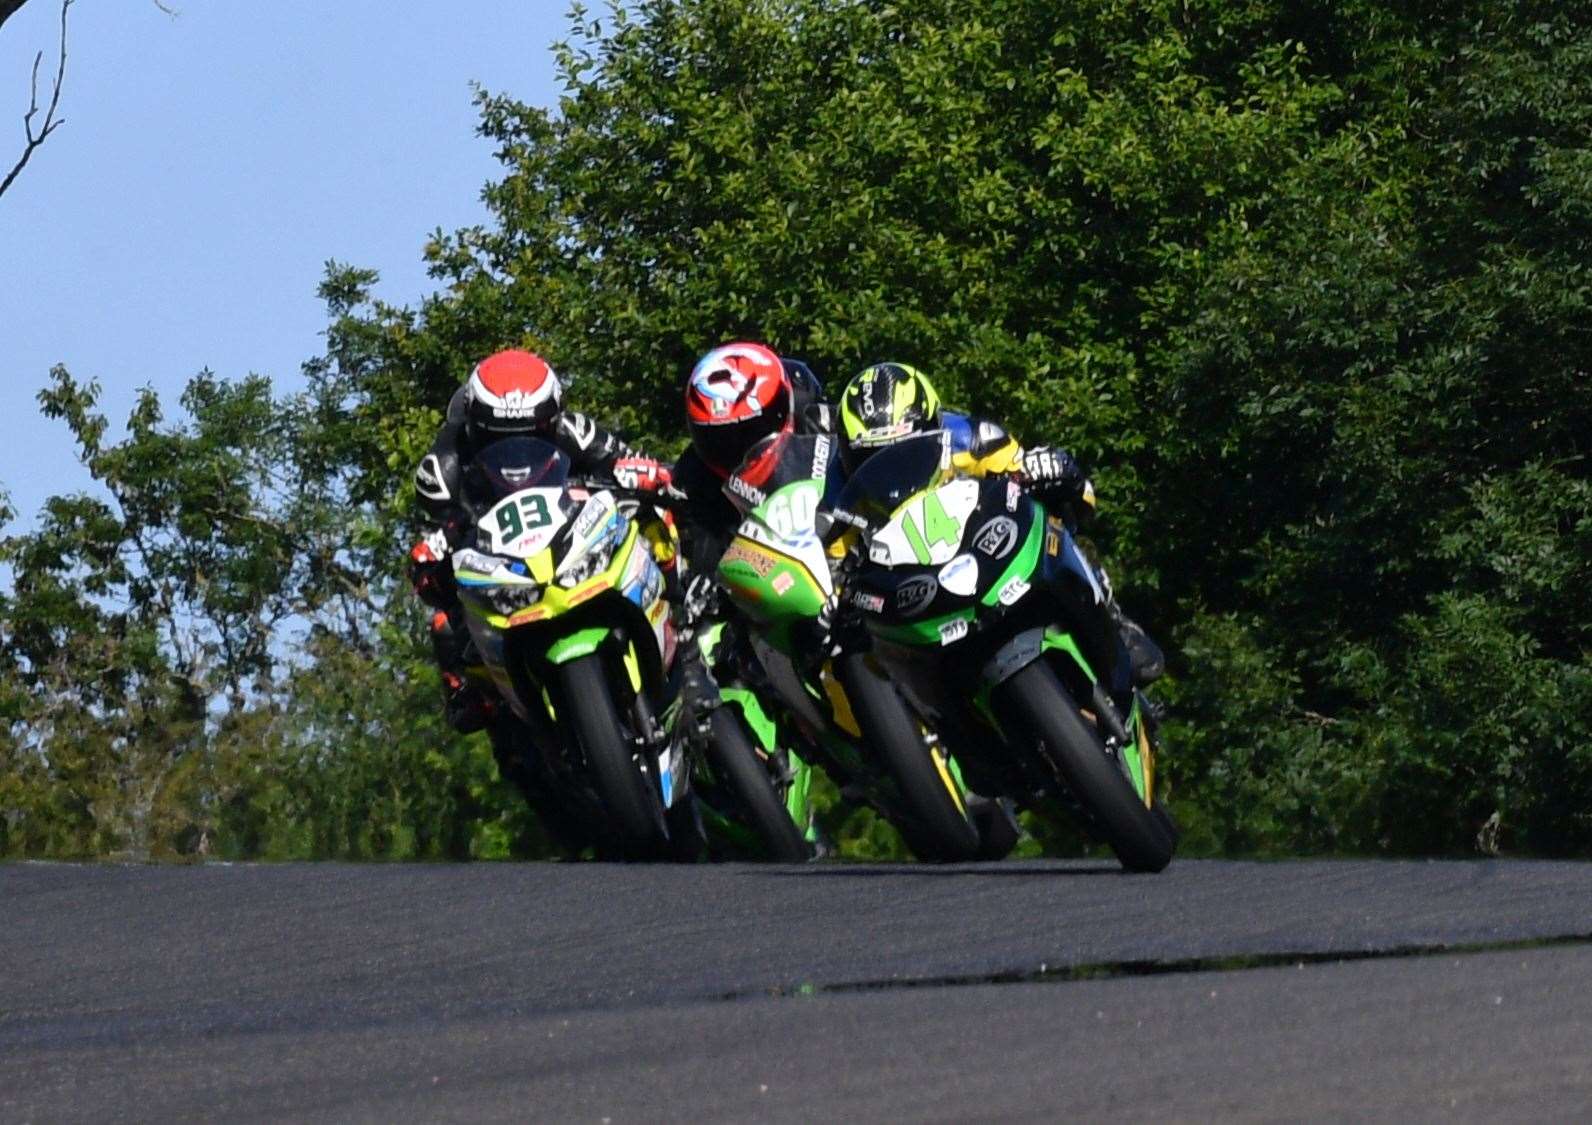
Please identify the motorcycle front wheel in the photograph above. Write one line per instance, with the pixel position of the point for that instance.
(938, 825)
(633, 804)
(1035, 698)
(741, 769)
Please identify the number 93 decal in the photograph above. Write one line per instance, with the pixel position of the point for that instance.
(523, 524)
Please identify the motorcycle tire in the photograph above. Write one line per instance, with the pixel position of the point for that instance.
(940, 828)
(998, 831)
(1035, 698)
(634, 806)
(738, 765)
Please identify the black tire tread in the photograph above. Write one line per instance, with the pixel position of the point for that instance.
(1037, 699)
(941, 832)
(735, 759)
(589, 701)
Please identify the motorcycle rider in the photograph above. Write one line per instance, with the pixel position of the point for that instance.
(889, 402)
(736, 395)
(510, 393)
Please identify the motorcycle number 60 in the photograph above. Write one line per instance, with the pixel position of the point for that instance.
(524, 523)
(791, 511)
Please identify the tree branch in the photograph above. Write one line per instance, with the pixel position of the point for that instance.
(50, 122)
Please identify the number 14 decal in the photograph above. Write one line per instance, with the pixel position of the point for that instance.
(939, 526)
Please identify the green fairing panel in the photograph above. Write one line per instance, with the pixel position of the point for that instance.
(763, 726)
(766, 729)
(1130, 752)
(582, 642)
(925, 632)
(1056, 639)
(708, 640)
(1023, 563)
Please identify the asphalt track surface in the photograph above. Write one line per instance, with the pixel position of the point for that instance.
(1019, 991)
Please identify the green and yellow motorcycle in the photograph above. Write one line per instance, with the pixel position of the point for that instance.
(777, 574)
(988, 618)
(566, 603)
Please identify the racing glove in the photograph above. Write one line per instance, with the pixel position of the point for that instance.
(430, 572)
(701, 598)
(1046, 465)
(1053, 470)
(642, 474)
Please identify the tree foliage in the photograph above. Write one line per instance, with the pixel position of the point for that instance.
(1306, 285)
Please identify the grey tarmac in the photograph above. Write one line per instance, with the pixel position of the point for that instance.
(1341, 989)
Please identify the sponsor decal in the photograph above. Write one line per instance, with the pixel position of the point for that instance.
(1013, 590)
(761, 562)
(782, 583)
(518, 403)
(1014, 493)
(820, 457)
(745, 491)
(960, 576)
(476, 561)
(428, 479)
(1052, 536)
(913, 596)
(592, 516)
(883, 435)
(997, 537)
(879, 553)
(868, 603)
(953, 630)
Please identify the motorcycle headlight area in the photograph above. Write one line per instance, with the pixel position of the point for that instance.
(593, 562)
(511, 599)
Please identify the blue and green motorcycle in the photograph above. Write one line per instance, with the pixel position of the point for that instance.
(987, 616)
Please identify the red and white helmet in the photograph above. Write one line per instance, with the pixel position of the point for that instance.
(737, 394)
(511, 392)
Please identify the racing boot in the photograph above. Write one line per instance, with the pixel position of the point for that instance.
(1147, 661)
(466, 706)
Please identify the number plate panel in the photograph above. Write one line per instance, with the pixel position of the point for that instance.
(523, 524)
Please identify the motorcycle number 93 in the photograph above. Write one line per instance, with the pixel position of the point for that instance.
(524, 523)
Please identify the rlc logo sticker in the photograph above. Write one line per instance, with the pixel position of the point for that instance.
(914, 595)
(997, 537)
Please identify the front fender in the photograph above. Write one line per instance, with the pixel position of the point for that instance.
(582, 642)
(1025, 648)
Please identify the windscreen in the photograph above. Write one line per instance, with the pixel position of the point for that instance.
(892, 474)
(506, 466)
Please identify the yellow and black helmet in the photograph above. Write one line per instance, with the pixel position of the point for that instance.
(882, 405)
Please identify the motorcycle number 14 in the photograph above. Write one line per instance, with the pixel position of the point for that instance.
(928, 528)
(524, 523)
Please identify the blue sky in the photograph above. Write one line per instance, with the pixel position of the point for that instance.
(208, 167)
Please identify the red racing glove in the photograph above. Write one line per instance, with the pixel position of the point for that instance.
(642, 474)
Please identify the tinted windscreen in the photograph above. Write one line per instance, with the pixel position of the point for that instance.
(887, 478)
(506, 466)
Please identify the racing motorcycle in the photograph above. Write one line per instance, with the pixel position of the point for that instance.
(777, 576)
(987, 615)
(565, 602)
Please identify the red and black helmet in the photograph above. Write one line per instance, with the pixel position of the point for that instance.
(737, 394)
(510, 393)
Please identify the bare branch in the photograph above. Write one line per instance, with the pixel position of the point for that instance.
(50, 121)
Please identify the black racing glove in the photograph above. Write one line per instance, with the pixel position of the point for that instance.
(1049, 468)
(701, 598)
